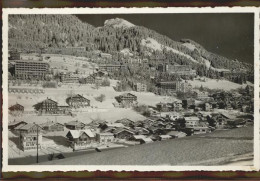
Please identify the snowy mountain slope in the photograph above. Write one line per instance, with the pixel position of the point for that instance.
(118, 23)
(155, 45)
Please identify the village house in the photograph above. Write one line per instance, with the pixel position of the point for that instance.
(137, 138)
(52, 126)
(164, 137)
(105, 137)
(123, 134)
(75, 125)
(139, 87)
(69, 77)
(12, 125)
(28, 136)
(77, 101)
(47, 106)
(191, 121)
(127, 99)
(141, 131)
(80, 139)
(16, 109)
(146, 140)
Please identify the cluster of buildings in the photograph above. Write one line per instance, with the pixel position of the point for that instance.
(49, 106)
(182, 70)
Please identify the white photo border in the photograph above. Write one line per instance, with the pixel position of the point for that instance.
(7, 11)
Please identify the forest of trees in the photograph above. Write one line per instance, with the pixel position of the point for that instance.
(54, 32)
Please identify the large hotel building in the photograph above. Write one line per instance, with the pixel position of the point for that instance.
(26, 69)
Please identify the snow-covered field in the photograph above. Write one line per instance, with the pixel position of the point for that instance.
(99, 110)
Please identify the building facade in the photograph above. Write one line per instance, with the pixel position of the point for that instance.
(31, 70)
(78, 101)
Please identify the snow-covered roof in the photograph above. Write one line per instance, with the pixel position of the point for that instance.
(192, 118)
(77, 133)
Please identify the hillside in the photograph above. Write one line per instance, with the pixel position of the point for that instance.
(34, 32)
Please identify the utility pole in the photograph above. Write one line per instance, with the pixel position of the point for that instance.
(37, 146)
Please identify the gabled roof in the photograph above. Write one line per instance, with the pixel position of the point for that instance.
(147, 140)
(77, 133)
(116, 125)
(164, 136)
(50, 100)
(16, 105)
(138, 137)
(15, 123)
(121, 130)
(77, 95)
(27, 126)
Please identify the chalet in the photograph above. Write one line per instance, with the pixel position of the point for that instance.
(126, 122)
(105, 137)
(17, 108)
(164, 137)
(141, 131)
(146, 140)
(14, 124)
(137, 138)
(47, 106)
(28, 136)
(52, 126)
(191, 121)
(176, 134)
(75, 125)
(139, 87)
(80, 139)
(69, 78)
(123, 134)
(127, 99)
(78, 101)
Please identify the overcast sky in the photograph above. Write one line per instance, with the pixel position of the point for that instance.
(230, 35)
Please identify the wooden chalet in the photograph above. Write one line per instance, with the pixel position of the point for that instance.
(14, 124)
(78, 101)
(75, 125)
(48, 106)
(80, 139)
(52, 126)
(123, 134)
(127, 99)
(16, 108)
